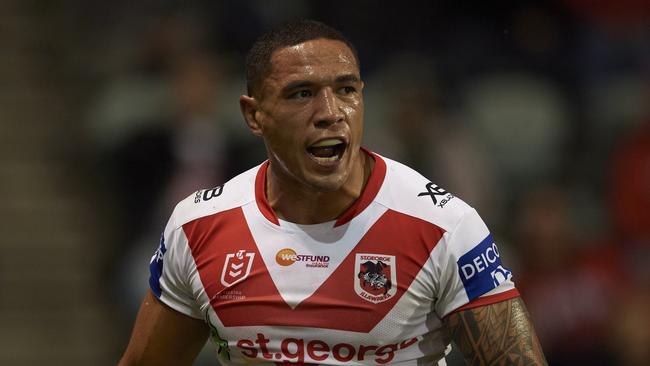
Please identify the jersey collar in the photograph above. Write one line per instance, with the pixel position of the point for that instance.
(367, 196)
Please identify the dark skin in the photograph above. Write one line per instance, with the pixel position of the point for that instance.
(496, 334)
(162, 336)
(313, 95)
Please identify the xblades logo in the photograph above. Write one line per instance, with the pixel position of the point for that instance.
(433, 191)
(208, 194)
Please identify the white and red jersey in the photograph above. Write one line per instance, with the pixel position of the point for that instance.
(370, 288)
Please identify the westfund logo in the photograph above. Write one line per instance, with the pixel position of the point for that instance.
(287, 256)
(480, 269)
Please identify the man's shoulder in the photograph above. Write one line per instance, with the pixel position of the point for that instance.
(407, 191)
(210, 201)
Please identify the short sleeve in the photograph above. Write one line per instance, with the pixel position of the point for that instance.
(469, 267)
(171, 270)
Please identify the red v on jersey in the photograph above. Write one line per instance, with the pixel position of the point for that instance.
(255, 300)
(367, 288)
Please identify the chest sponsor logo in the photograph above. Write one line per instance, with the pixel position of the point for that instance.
(287, 256)
(480, 269)
(298, 351)
(376, 277)
(236, 267)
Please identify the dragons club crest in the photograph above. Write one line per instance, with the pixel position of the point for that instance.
(376, 277)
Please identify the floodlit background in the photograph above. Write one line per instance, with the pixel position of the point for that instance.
(537, 115)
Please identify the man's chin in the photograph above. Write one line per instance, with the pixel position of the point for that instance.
(326, 184)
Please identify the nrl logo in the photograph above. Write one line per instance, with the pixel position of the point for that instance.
(236, 267)
(376, 277)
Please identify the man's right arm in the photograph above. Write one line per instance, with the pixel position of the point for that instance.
(162, 336)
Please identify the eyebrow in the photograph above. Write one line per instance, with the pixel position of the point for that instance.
(348, 78)
(297, 84)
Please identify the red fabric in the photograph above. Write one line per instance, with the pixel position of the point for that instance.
(335, 304)
(491, 299)
(369, 192)
(260, 194)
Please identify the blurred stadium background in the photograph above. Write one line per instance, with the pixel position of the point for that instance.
(536, 113)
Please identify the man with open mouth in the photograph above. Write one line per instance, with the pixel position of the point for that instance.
(326, 253)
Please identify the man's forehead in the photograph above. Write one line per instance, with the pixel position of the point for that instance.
(313, 54)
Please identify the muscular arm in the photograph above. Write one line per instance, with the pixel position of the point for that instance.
(496, 334)
(163, 336)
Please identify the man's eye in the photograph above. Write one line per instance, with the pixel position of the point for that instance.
(348, 89)
(300, 94)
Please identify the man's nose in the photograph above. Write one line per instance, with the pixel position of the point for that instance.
(328, 111)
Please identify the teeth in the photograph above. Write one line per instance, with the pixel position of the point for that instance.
(327, 142)
(331, 158)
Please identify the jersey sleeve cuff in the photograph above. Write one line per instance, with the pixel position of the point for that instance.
(490, 299)
(177, 304)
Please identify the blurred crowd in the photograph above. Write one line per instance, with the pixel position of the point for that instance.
(536, 115)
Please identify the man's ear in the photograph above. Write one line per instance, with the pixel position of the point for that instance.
(250, 110)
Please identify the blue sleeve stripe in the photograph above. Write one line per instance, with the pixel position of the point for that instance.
(156, 268)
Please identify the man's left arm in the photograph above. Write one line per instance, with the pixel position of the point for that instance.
(496, 334)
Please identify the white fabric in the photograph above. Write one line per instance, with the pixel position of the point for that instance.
(408, 333)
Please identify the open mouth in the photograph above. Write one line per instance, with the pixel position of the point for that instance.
(328, 150)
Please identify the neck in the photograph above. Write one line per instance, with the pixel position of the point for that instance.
(299, 204)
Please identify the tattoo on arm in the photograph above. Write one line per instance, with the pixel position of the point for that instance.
(496, 334)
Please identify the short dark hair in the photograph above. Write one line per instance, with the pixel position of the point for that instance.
(258, 59)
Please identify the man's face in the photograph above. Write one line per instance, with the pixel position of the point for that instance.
(311, 114)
